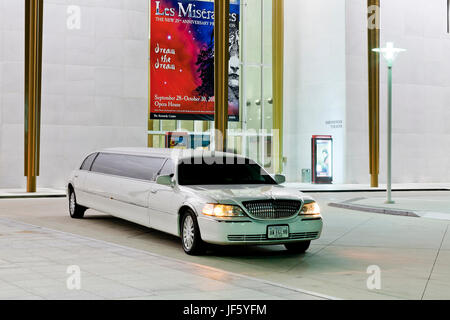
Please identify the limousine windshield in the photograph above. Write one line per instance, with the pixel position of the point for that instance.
(222, 174)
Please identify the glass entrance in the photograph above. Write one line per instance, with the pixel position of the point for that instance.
(252, 136)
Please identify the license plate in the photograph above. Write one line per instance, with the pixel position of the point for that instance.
(278, 232)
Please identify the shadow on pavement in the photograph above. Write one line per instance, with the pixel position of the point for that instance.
(142, 232)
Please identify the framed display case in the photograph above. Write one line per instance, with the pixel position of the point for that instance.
(184, 140)
(322, 159)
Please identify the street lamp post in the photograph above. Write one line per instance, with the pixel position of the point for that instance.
(389, 53)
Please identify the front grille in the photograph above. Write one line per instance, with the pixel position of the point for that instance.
(303, 235)
(263, 237)
(256, 237)
(273, 209)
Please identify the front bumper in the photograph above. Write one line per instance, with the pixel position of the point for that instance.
(254, 232)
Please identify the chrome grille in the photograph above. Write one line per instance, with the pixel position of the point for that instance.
(256, 237)
(303, 235)
(263, 237)
(273, 209)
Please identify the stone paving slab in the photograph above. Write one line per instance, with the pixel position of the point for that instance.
(412, 253)
(34, 264)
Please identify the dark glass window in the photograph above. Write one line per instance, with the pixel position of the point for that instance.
(88, 162)
(136, 167)
(168, 169)
(222, 172)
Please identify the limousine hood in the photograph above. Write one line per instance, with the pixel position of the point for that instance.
(238, 193)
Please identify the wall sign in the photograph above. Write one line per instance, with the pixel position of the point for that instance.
(335, 124)
(182, 60)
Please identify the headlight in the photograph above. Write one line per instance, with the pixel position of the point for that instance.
(222, 211)
(311, 208)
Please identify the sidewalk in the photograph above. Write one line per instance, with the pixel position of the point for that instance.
(35, 261)
(308, 187)
(41, 193)
(304, 187)
(425, 206)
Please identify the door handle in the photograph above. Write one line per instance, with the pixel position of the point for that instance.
(154, 191)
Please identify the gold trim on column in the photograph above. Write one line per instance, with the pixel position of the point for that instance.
(27, 66)
(373, 35)
(150, 121)
(221, 61)
(39, 84)
(278, 72)
(150, 136)
(448, 16)
(206, 126)
(33, 75)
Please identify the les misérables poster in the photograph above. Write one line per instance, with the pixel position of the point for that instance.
(182, 60)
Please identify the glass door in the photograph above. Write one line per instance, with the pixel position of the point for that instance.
(252, 136)
(257, 80)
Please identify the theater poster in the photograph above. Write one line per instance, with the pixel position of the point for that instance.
(182, 60)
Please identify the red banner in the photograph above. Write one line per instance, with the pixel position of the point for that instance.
(182, 60)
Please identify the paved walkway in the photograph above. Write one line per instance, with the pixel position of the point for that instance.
(413, 254)
(35, 261)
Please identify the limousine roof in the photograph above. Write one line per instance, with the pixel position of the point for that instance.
(176, 154)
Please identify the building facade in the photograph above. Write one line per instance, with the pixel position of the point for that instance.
(95, 86)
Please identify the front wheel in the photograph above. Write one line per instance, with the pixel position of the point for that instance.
(190, 234)
(298, 247)
(75, 210)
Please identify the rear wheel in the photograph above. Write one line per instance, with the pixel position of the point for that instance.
(298, 247)
(190, 234)
(75, 210)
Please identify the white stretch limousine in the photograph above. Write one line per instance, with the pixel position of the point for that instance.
(201, 197)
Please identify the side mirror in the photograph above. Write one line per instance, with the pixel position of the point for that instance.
(165, 181)
(280, 179)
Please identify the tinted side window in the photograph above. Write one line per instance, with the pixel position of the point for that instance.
(146, 166)
(88, 162)
(136, 167)
(168, 169)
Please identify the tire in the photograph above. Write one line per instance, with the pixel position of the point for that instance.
(75, 210)
(298, 247)
(191, 240)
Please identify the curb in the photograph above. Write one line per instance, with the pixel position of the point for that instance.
(357, 207)
(371, 190)
(36, 196)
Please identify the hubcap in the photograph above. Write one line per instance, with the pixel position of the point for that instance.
(188, 233)
(72, 203)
